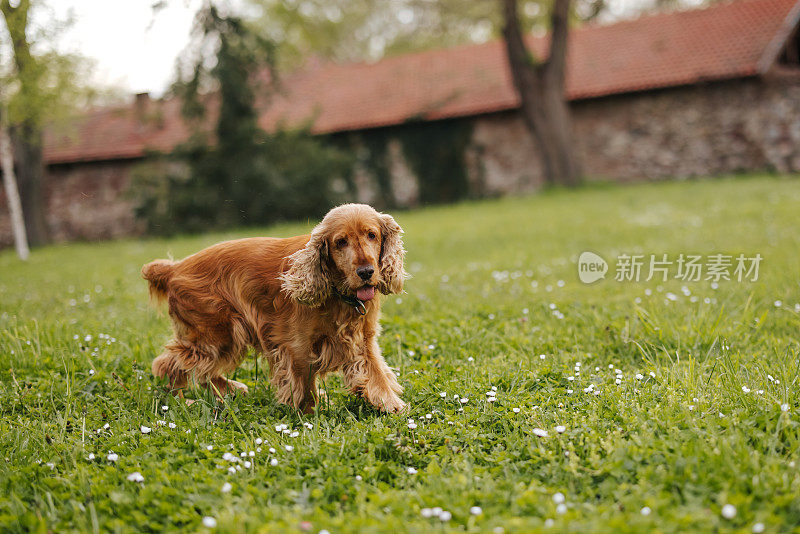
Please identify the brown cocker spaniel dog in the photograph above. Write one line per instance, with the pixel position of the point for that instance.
(309, 304)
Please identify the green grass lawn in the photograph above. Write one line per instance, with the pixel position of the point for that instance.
(619, 406)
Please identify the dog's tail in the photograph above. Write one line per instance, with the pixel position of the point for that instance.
(158, 273)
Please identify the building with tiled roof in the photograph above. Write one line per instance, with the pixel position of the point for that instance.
(700, 92)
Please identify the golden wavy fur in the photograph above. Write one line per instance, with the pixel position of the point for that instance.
(284, 297)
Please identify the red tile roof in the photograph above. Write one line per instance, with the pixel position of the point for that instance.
(725, 41)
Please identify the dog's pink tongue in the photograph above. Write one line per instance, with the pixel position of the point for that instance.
(365, 293)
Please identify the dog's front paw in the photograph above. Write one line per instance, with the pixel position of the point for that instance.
(238, 387)
(393, 404)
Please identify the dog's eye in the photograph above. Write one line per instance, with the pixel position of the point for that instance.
(371, 234)
(341, 243)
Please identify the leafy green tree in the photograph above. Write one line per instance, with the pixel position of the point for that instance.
(38, 86)
(234, 173)
(358, 30)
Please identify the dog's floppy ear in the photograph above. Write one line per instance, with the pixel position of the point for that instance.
(307, 279)
(393, 273)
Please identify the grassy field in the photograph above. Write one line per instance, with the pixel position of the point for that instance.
(617, 406)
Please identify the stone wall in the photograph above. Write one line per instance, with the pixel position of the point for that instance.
(707, 130)
(86, 201)
(704, 130)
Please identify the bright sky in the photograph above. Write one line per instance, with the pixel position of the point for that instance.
(134, 50)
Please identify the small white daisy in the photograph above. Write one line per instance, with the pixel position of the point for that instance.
(145, 429)
(112, 457)
(136, 477)
(226, 488)
(273, 462)
(209, 522)
(559, 498)
(729, 511)
(411, 471)
(645, 511)
(476, 510)
(540, 432)
(561, 429)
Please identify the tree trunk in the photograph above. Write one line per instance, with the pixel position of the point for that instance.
(540, 86)
(26, 134)
(12, 194)
(27, 147)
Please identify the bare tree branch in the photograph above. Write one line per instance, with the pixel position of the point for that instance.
(540, 86)
(515, 45)
(557, 59)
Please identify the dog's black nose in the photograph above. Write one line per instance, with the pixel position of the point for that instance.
(365, 272)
